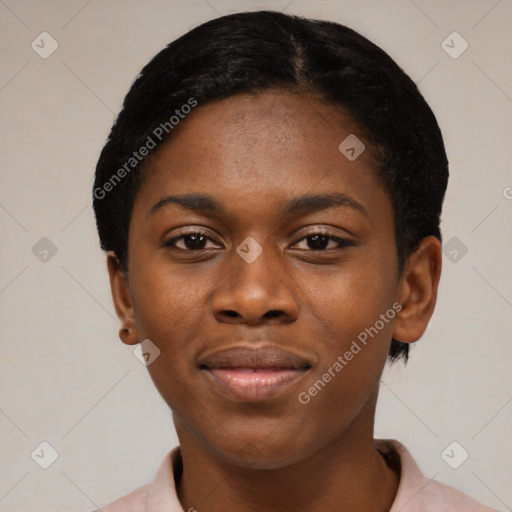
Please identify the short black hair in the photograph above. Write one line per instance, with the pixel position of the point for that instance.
(251, 52)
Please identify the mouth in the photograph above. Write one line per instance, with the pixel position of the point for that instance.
(254, 374)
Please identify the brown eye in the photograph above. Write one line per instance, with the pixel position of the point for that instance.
(320, 242)
(192, 241)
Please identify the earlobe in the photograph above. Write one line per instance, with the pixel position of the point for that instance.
(122, 300)
(418, 290)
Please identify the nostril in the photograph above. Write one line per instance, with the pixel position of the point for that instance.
(272, 314)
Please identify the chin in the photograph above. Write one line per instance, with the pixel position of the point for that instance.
(254, 454)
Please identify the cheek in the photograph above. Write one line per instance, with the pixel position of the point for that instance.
(353, 314)
(348, 300)
(169, 309)
(167, 302)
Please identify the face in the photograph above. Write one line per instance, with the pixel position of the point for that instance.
(289, 281)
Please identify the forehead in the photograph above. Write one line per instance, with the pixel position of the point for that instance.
(291, 124)
(249, 149)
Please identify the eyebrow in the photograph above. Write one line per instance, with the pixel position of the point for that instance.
(302, 204)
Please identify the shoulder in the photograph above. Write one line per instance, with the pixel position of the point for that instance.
(135, 501)
(159, 493)
(436, 495)
(417, 493)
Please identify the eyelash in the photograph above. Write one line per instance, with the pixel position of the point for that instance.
(342, 242)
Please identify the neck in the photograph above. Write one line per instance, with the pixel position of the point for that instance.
(346, 474)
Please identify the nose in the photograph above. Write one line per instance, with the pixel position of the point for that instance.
(255, 292)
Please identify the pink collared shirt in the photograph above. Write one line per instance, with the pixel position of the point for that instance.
(416, 493)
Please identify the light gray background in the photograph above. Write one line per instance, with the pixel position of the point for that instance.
(67, 379)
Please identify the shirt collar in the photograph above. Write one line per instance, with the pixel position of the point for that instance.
(162, 495)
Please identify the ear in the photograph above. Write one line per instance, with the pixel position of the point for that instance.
(418, 290)
(122, 300)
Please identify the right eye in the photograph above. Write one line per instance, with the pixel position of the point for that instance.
(192, 240)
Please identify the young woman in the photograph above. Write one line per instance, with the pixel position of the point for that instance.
(269, 200)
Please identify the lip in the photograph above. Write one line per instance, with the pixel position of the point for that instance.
(252, 374)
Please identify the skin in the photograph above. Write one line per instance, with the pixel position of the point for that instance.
(254, 153)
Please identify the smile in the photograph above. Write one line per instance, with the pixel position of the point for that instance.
(254, 374)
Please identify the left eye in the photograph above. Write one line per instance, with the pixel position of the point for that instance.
(320, 241)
